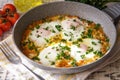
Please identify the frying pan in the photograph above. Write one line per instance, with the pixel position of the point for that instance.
(65, 7)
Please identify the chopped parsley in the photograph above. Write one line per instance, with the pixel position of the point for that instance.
(63, 53)
(75, 42)
(30, 33)
(98, 53)
(89, 34)
(46, 28)
(49, 53)
(99, 41)
(24, 43)
(107, 39)
(37, 27)
(89, 22)
(58, 57)
(53, 31)
(46, 56)
(35, 58)
(63, 40)
(65, 48)
(52, 63)
(70, 39)
(89, 50)
(60, 17)
(74, 63)
(38, 36)
(31, 45)
(82, 56)
(97, 26)
(74, 20)
(73, 28)
(53, 47)
(71, 34)
(94, 43)
(80, 39)
(58, 27)
(83, 35)
(78, 51)
(47, 40)
(65, 34)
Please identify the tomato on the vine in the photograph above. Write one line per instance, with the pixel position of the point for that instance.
(8, 17)
(9, 8)
(2, 13)
(1, 32)
(13, 17)
(5, 24)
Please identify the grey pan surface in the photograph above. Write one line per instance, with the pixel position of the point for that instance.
(71, 8)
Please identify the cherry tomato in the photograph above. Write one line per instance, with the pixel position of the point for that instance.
(13, 17)
(9, 8)
(5, 25)
(1, 32)
(2, 14)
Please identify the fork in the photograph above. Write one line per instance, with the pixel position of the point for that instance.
(14, 58)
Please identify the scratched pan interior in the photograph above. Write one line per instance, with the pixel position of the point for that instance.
(71, 8)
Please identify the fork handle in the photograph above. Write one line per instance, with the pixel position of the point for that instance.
(38, 76)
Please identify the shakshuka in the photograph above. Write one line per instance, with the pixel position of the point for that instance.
(64, 41)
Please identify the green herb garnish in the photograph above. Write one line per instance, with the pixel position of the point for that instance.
(73, 28)
(89, 34)
(53, 31)
(89, 50)
(47, 40)
(78, 51)
(47, 28)
(46, 56)
(63, 40)
(38, 36)
(107, 39)
(35, 58)
(65, 48)
(74, 63)
(80, 39)
(52, 63)
(82, 56)
(98, 53)
(100, 4)
(94, 43)
(65, 34)
(58, 27)
(37, 27)
(97, 26)
(60, 17)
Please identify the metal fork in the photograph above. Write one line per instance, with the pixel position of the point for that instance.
(14, 58)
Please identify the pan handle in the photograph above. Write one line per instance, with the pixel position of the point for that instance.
(114, 12)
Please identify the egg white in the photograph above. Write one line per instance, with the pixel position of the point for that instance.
(76, 51)
(40, 41)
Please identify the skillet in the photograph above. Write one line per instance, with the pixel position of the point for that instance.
(65, 7)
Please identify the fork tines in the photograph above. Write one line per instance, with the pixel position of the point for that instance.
(7, 51)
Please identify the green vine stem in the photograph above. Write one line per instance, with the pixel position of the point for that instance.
(100, 4)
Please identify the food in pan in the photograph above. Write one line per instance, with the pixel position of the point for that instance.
(64, 41)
